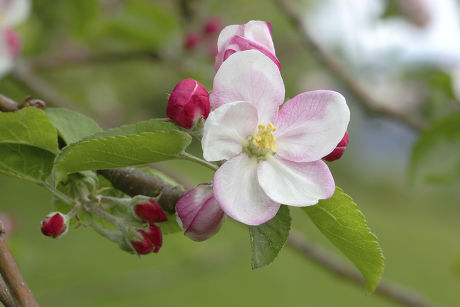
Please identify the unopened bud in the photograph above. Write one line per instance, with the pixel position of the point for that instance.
(189, 101)
(152, 240)
(339, 150)
(150, 211)
(55, 225)
(199, 214)
(191, 40)
(144, 246)
(212, 25)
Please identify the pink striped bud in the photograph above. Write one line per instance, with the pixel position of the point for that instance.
(254, 35)
(339, 150)
(199, 214)
(55, 225)
(189, 101)
(150, 211)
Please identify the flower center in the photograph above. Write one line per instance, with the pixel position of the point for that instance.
(262, 142)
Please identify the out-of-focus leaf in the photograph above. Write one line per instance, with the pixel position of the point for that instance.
(436, 155)
(340, 220)
(268, 239)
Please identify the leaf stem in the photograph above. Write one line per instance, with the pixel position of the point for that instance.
(189, 157)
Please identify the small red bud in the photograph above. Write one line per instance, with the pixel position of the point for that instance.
(191, 40)
(150, 212)
(188, 102)
(156, 237)
(152, 240)
(339, 150)
(212, 25)
(54, 225)
(143, 247)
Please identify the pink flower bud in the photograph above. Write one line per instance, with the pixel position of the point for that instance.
(191, 40)
(188, 102)
(255, 35)
(55, 225)
(199, 214)
(212, 25)
(13, 42)
(152, 240)
(339, 150)
(150, 212)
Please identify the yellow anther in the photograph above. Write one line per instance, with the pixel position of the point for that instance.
(264, 141)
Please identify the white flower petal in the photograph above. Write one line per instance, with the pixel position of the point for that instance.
(295, 184)
(226, 130)
(310, 125)
(227, 33)
(14, 12)
(249, 76)
(260, 32)
(239, 194)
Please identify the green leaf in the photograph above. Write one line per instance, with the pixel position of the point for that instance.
(29, 126)
(72, 126)
(137, 144)
(268, 239)
(435, 157)
(25, 162)
(340, 220)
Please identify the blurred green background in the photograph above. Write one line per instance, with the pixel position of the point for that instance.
(418, 226)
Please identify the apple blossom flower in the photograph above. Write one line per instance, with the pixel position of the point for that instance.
(199, 214)
(252, 35)
(273, 155)
(12, 13)
(189, 101)
(339, 150)
(55, 225)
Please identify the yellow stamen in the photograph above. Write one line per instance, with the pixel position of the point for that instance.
(263, 141)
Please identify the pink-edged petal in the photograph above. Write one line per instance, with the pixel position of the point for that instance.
(249, 76)
(227, 33)
(14, 12)
(227, 129)
(239, 43)
(239, 194)
(295, 183)
(260, 31)
(310, 125)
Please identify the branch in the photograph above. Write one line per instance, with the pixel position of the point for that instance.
(386, 289)
(369, 103)
(13, 278)
(24, 74)
(135, 182)
(84, 58)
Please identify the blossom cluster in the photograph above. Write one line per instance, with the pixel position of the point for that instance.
(12, 13)
(270, 152)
